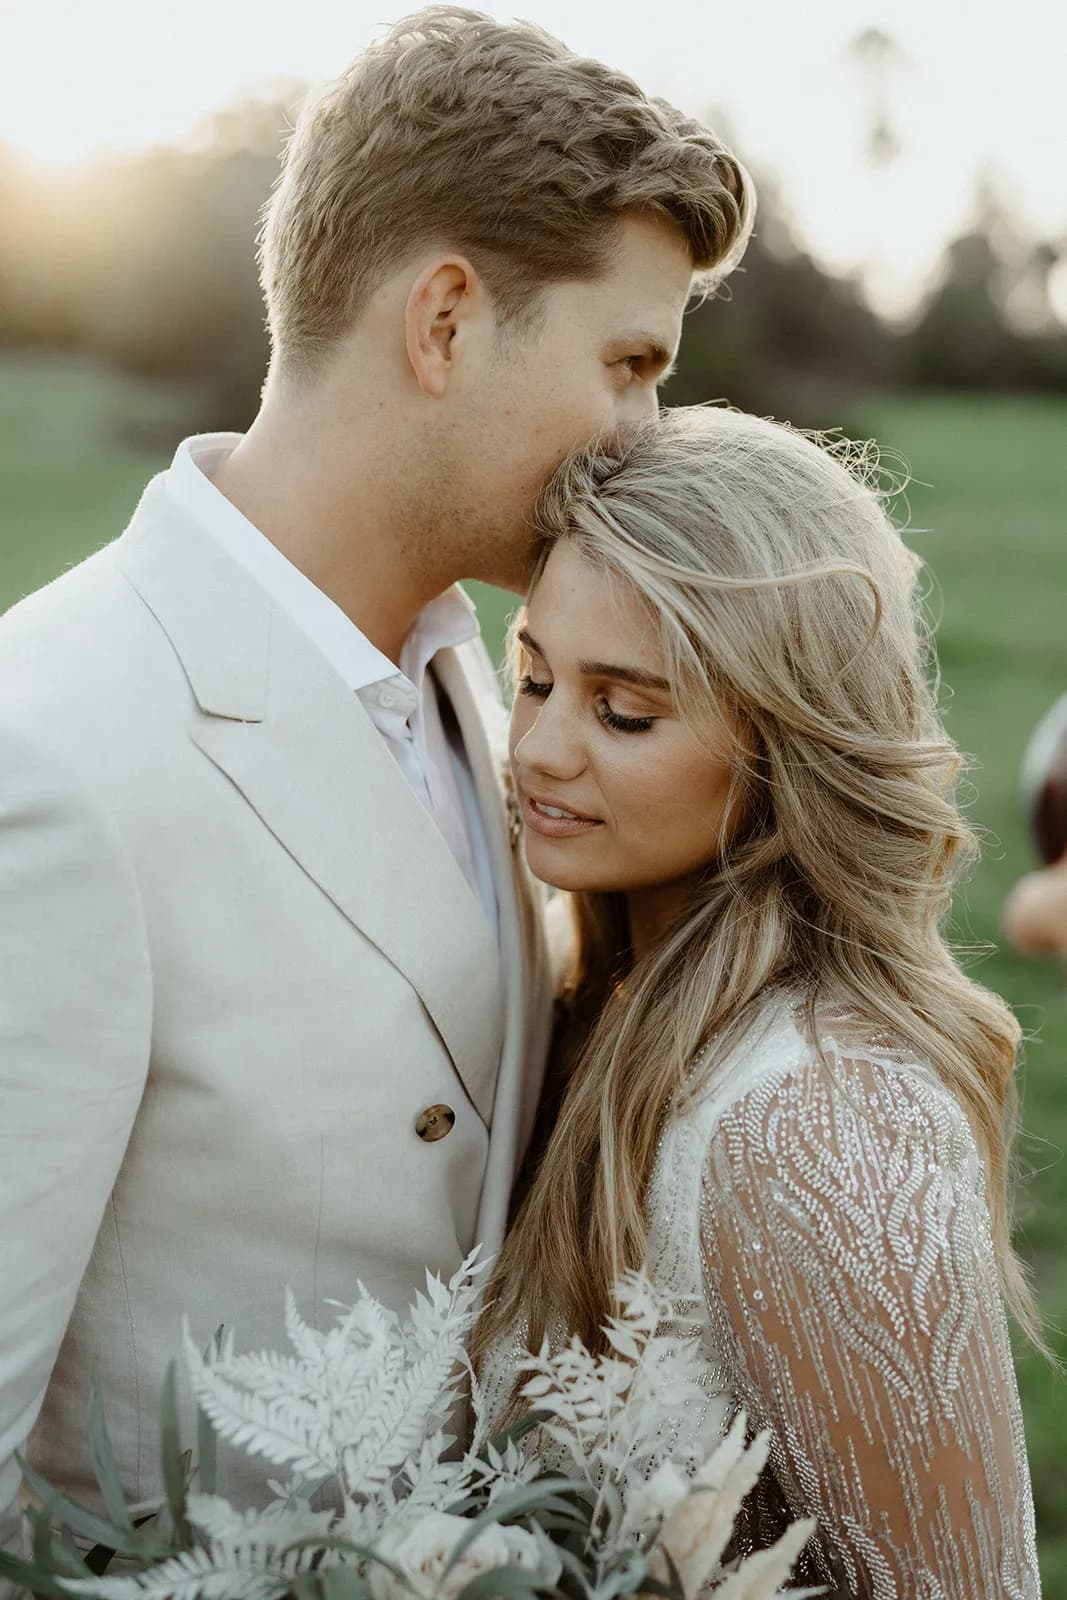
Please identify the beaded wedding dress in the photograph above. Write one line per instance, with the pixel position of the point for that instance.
(824, 1223)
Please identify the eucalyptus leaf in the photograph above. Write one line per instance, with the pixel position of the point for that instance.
(105, 1467)
(207, 1454)
(75, 1517)
(27, 1575)
(518, 1430)
(627, 1577)
(529, 1499)
(41, 1517)
(148, 1544)
(349, 1547)
(153, 1539)
(172, 1459)
(344, 1583)
(68, 1557)
(207, 1440)
(307, 1586)
(505, 1583)
(573, 1563)
(470, 1502)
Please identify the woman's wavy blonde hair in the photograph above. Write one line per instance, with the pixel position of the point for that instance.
(787, 604)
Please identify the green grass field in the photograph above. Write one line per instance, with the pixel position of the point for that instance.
(988, 511)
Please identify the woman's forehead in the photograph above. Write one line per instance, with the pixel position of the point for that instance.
(586, 610)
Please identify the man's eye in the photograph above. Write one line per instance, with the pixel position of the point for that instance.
(528, 685)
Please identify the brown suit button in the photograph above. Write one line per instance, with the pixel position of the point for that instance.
(433, 1123)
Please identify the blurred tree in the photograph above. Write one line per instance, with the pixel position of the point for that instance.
(990, 320)
(783, 337)
(877, 60)
(182, 296)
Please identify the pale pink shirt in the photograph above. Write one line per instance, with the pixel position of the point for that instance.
(403, 704)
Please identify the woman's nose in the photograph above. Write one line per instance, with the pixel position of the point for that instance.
(552, 745)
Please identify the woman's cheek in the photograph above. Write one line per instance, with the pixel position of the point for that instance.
(636, 782)
(521, 720)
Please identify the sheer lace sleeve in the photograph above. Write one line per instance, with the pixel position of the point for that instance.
(853, 1289)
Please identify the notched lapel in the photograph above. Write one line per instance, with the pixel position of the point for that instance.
(301, 749)
(484, 725)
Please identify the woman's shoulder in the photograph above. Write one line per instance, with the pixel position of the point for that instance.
(796, 1076)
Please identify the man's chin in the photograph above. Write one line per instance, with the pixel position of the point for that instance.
(513, 576)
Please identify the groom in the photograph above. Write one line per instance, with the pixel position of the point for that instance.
(273, 993)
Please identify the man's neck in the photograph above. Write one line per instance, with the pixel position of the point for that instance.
(343, 536)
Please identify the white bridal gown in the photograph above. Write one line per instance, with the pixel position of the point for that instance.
(826, 1225)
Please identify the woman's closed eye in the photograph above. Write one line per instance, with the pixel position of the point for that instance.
(611, 718)
(621, 724)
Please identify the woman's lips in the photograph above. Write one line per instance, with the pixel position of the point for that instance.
(538, 815)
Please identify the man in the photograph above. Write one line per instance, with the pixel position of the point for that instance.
(273, 995)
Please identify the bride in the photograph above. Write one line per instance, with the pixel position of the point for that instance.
(776, 1088)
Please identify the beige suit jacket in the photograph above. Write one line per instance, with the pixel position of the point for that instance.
(237, 961)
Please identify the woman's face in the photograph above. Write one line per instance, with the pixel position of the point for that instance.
(595, 736)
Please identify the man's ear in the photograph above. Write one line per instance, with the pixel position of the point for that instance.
(441, 300)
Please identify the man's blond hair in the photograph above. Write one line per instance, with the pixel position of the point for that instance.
(492, 139)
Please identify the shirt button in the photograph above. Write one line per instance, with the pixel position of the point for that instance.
(434, 1123)
(387, 699)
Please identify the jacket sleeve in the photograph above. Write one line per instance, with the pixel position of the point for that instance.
(75, 1026)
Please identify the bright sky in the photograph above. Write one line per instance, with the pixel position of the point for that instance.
(982, 87)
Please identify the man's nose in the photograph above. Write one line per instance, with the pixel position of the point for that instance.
(642, 403)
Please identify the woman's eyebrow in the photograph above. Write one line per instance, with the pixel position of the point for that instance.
(527, 640)
(601, 669)
(635, 675)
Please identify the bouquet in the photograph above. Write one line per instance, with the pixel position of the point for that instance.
(373, 1502)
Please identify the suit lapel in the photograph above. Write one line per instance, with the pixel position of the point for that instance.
(527, 979)
(301, 749)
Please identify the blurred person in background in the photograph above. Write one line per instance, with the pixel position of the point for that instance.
(274, 996)
(1035, 915)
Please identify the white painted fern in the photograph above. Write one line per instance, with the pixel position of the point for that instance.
(636, 1426)
(356, 1402)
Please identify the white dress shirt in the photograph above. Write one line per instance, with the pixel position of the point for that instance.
(402, 703)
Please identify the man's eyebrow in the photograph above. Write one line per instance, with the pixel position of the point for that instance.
(652, 347)
(602, 669)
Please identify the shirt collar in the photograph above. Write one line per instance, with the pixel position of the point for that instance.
(448, 620)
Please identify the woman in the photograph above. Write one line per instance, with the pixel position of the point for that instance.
(782, 1095)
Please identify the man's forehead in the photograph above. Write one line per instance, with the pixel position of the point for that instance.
(645, 289)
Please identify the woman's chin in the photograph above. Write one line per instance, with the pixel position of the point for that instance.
(548, 863)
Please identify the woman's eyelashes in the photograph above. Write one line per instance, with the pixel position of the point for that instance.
(611, 719)
(621, 724)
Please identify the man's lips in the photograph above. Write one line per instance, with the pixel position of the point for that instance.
(548, 816)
